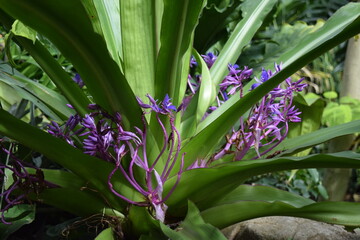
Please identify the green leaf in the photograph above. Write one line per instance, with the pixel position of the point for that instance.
(335, 30)
(193, 227)
(178, 24)
(91, 169)
(354, 104)
(322, 191)
(197, 183)
(154, 236)
(349, 101)
(177, 27)
(104, 16)
(263, 193)
(139, 44)
(67, 25)
(20, 29)
(61, 178)
(81, 202)
(335, 114)
(254, 13)
(18, 216)
(220, 121)
(330, 95)
(49, 101)
(341, 213)
(53, 69)
(141, 222)
(200, 102)
(294, 145)
(281, 41)
(106, 234)
(310, 118)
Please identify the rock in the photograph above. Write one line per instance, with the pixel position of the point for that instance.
(287, 228)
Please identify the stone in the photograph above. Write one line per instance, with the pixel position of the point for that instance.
(287, 228)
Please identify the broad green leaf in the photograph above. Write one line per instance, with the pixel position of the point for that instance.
(67, 25)
(200, 102)
(139, 39)
(141, 222)
(335, 30)
(297, 144)
(83, 202)
(8, 96)
(263, 193)
(106, 234)
(20, 29)
(21, 93)
(330, 95)
(197, 183)
(193, 227)
(57, 74)
(309, 99)
(61, 178)
(104, 16)
(354, 104)
(18, 216)
(178, 24)
(335, 114)
(281, 41)
(216, 127)
(254, 13)
(49, 101)
(155, 235)
(341, 213)
(316, 43)
(179, 117)
(91, 169)
(310, 118)
(349, 101)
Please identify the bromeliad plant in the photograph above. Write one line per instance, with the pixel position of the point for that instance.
(158, 165)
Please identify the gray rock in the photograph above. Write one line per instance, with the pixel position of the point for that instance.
(287, 228)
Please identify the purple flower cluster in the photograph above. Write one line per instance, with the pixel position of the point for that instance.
(104, 137)
(233, 82)
(268, 121)
(194, 81)
(23, 183)
(209, 58)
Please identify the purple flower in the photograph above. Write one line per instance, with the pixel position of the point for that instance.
(165, 107)
(193, 62)
(77, 79)
(209, 59)
(153, 105)
(234, 80)
(105, 138)
(23, 183)
(63, 132)
(265, 75)
(89, 122)
(267, 123)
